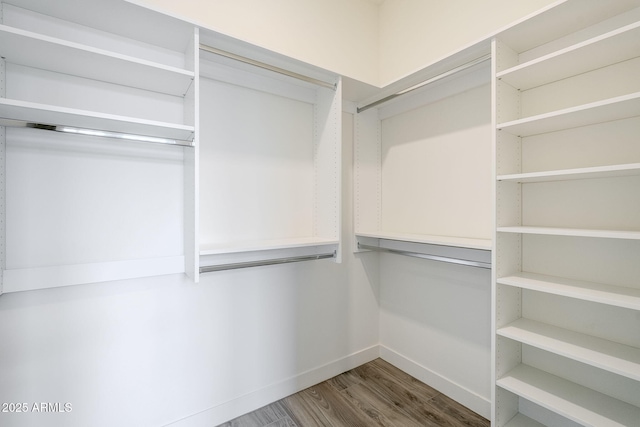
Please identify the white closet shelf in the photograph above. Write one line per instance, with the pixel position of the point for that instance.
(618, 296)
(617, 108)
(49, 53)
(265, 245)
(54, 115)
(461, 242)
(523, 421)
(572, 232)
(610, 48)
(603, 354)
(575, 402)
(560, 20)
(571, 174)
(27, 279)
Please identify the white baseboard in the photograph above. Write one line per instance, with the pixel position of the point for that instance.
(464, 396)
(257, 399)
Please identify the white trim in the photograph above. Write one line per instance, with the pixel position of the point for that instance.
(464, 396)
(249, 402)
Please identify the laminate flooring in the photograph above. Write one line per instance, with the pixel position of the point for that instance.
(374, 394)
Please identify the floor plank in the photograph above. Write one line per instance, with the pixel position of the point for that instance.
(374, 394)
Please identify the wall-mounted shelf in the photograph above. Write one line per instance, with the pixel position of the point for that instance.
(523, 421)
(608, 355)
(40, 51)
(572, 232)
(55, 115)
(615, 46)
(612, 171)
(617, 108)
(618, 296)
(575, 402)
(266, 245)
(460, 242)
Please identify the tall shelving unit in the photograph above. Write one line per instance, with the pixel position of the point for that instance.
(269, 158)
(567, 244)
(87, 197)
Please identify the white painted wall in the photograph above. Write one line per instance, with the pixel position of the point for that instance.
(375, 42)
(417, 33)
(435, 323)
(436, 179)
(157, 350)
(338, 35)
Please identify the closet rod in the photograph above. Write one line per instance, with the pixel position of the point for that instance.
(94, 132)
(459, 261)
(233, 266)
(426, 82)
(278, 70)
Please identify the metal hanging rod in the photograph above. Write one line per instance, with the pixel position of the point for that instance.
(278, 70)
(94, 132)
(427, 82)
(459, 261)
(233, 266)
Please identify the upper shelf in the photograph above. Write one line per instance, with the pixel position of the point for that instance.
(571, 174)
(572, 232)
(49, 53)
(53, 115)
(620, 107)
(461, 242)
(266, 245)
(560, 19)
(610, 48)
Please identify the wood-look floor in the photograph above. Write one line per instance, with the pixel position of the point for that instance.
(374, 394)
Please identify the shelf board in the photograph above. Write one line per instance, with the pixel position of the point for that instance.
(572, 174)
(49, 53)
(575, 402)
(461, 242)
(610, 48)
(523, 421)
(603, 354)
(620, 107)
(617, 296)
(265, 245)
(560, 19)
(62, 116)
(572, 232)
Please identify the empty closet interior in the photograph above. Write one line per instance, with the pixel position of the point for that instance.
(496, 202)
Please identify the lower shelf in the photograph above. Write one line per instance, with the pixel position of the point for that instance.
(266, 252)
(28, 279)
(603, 354)
(523, 421)
(572, 401)
(460, 242)
(264, 245)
